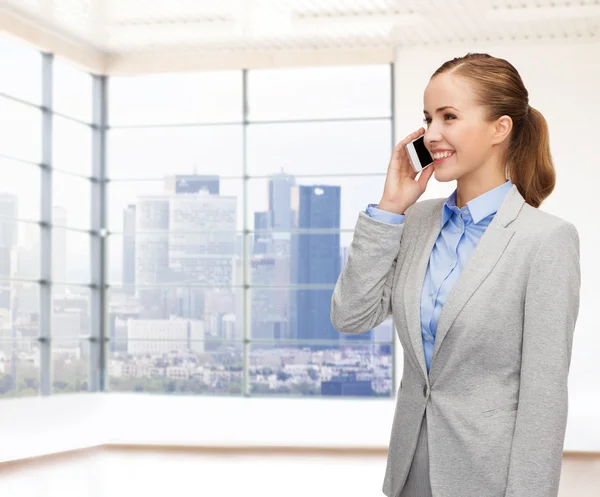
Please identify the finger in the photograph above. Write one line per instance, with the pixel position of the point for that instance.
(399, 148)
(425, 175)
(413, 136)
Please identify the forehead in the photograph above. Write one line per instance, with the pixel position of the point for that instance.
(447, 89)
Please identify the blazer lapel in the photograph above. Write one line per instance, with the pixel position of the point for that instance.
(478, 267)
(426, 238)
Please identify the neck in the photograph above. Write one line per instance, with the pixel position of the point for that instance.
(478, 183)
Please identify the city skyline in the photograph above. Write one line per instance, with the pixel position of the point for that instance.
(261, 144)
(166, 243)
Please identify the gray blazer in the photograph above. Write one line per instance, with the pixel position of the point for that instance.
(496, 394)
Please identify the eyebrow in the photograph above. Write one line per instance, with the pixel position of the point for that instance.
(442, 109)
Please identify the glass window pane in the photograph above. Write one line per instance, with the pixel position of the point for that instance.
(155, 152)
(21, 69)
(157, 196)
(26, 309)
(176, 98)
(319, 92)
(71, 313)
(180, 367)
(72, 147)
(19, 365)
(219, 310)
(21, 182)
(19, 253)
(320, 148)
(158, 257)
(70, 364)
(71, 256)
(286, 202)
(24, 262)
(72, 91)
(321, 370)
(72, 200)
(21, 130)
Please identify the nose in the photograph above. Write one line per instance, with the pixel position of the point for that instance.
(432, 136)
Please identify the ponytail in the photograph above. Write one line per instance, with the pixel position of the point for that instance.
(530, 166)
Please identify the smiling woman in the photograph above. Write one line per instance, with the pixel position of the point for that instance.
(483, 288)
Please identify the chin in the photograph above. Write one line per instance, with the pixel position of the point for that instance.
(443, 176)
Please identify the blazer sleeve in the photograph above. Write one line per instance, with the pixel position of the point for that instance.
(550, 314)
(362, 296)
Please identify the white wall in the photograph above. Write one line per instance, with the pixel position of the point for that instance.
(37, 426)
(564, 84)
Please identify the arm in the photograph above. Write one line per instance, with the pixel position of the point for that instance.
(551, 309)
(362, 296)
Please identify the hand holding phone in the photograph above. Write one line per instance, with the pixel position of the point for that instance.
(401, 189)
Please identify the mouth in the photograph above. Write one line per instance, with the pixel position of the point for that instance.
(441, 157)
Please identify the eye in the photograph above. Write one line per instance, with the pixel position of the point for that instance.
(449, 116)
(427, 121)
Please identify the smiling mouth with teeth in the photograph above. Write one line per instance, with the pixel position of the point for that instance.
(441, 156)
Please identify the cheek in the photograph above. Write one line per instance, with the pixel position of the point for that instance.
(469, 142)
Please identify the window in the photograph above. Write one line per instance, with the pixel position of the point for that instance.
(177, 99)
(25, 222)
(231, 200)
(72, 91)
(198, 307)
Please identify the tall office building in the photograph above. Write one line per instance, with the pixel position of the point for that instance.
(270, 262)
(129, 249)
(202, 243)
(152, 253)
(269, 311)
(280, 204)
(316, 260)
(59, 247)
(262, 236)
(8, 242)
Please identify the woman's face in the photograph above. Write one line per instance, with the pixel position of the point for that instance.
(457, 135)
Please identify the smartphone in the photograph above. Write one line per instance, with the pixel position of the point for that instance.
(418, 154)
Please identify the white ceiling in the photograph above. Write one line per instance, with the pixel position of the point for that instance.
(127, 27)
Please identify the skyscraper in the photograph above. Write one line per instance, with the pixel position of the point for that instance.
(316, 260)
(59, 247)
(8, 242)
(262, 236)
(202, 243)
(129, 249)
(280, 204)
(152, 253)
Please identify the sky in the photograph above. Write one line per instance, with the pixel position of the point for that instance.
(192, 123)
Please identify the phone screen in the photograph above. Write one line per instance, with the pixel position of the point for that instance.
(424, 156)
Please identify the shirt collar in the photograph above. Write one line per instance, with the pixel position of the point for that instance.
(480, 207)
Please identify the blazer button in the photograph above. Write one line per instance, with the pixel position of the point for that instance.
(424, 390)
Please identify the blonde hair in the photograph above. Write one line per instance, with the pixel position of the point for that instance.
(499, 87)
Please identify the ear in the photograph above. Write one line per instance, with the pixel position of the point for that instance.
(501, 129)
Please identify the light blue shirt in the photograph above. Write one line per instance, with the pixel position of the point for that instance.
(459, 235)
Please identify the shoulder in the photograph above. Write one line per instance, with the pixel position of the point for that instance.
(542, 224)
(544, 230)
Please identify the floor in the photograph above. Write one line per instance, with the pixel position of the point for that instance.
(132, 473)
